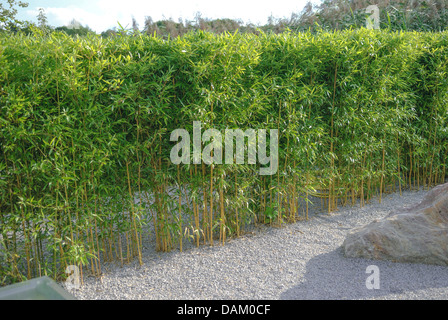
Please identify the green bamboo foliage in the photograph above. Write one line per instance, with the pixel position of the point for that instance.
(85, 170)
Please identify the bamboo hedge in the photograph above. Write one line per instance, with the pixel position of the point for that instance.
(85, 123)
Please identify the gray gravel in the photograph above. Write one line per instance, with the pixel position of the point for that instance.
(298, 261)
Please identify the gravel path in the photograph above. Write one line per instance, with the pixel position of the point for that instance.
(298, 261)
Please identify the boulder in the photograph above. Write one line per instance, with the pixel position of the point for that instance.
(417, 234)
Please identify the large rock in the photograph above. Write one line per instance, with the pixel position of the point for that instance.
(416, 234)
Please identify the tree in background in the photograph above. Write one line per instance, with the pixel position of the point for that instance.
(109, 33)
(418, 15)
(42, 19)
(150, 26)
(134, 25)
(8, 20)
(225, 25)
(169, 28)
(75, 28)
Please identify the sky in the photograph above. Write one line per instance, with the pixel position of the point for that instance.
(101, 15)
